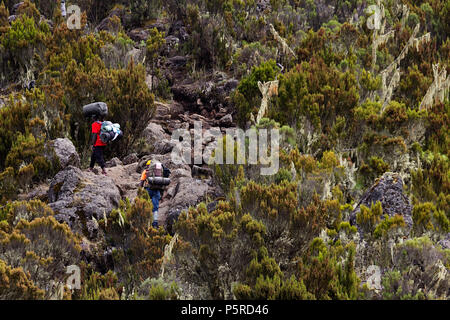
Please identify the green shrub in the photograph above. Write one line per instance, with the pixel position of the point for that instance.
(35, 242)
(374, 169)
(22, 41)
(4, 14)
(139, 247)
(389, 223)
(368, 219)
(98, 287)
(247, 97)
(329, 160)
(396, 288)
(427, 217)
(158, 289)
(142, 10)
(316, 91)
(16, 284)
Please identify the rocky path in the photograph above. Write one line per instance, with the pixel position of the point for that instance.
(80, 198)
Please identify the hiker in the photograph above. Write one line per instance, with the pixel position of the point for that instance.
(154, 178)
(97, 144)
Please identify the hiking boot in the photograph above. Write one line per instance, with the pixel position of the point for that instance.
(93, 170)
(155, 224)
(104, 172)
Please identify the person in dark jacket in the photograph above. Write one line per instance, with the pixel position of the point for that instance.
(98, 145)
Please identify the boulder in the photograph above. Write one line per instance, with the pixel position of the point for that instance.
(445, 243)
(16, 7)
(230, 85)
(158, 138)
(177, 61)
(131, 158)
(78, 197)
(182, 193)
(12, 18)
(211, 92)
(389, 191)
(65, 152)
(165, 111)
(172, 217)
(186, 192)
(154, 132)
(139, 35)
(39, 192)
(226, 121)
(197, 171)
(188, 93)
(171, 42)
(211, 206)
(126, 179)
(107, 25)
(114, 162)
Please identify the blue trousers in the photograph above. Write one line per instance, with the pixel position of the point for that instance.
(155, 195)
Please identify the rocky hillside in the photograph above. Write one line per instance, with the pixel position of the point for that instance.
(358, 207)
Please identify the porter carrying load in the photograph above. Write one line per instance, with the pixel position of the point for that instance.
(156, 176)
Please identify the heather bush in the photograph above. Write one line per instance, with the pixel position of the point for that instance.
(15, 284)
(263, 228)
(315, 91)
(249, 56)
(47, 8)
(247, 97)
(125, 91)
(22, 42)
(142, 10)
(4, 14)
(374, 169)
(138, 246)
(98, 286)
(157, 289)
(419, 271)
(209, 44)
(36, 243)
(427, 217)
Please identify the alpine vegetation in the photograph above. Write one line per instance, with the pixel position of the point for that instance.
(224, 150)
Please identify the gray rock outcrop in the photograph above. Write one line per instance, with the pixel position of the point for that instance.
(389, 191)
(114, 162)
(66, 152)
(80, 198)
(131, 158)
(158, 138)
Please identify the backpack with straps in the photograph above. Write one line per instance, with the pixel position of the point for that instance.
(156, 176)
(110, 132)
